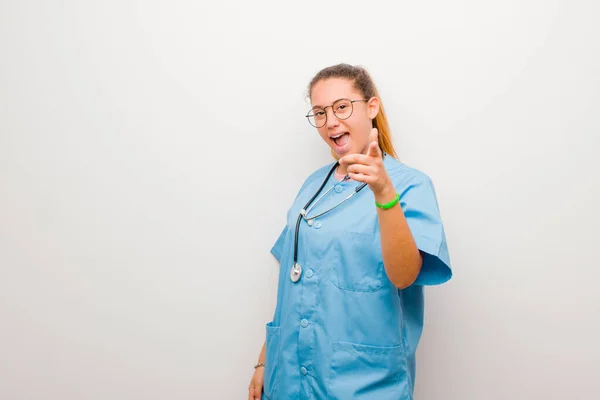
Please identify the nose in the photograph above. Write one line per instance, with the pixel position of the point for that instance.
(332, 120)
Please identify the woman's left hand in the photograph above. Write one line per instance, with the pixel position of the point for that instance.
(369, 168)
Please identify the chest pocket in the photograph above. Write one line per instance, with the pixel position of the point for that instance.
(359, 266)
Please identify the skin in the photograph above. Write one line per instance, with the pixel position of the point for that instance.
(256, 384)
(361, 158)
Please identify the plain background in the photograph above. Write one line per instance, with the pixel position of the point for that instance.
(150, 150)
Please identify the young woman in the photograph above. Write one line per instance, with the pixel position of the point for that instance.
(363, 236)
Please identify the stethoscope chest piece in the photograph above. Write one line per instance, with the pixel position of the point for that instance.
(295, 272)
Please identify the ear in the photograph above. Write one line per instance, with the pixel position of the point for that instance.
(373, 107)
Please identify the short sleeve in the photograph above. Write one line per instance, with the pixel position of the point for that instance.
(421, 210)
(278, 246)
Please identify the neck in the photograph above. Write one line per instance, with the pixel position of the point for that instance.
(339, 174)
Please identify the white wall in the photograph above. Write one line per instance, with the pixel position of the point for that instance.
(149, 151)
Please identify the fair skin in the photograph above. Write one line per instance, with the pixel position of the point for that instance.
(256, 384)
(360, 156)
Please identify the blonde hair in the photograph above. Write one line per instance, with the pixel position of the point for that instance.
(362, 82)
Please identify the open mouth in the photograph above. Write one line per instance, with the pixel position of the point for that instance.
(341, 139)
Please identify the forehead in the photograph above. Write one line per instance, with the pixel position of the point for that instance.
(326, 91)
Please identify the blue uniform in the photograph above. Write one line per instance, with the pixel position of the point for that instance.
(344, 331)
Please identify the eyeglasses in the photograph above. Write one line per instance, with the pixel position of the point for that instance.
(342, 109)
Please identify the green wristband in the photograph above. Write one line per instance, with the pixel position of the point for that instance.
(390, 204)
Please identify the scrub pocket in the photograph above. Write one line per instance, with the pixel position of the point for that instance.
(271, 361)
(359, 266)
(368, 372)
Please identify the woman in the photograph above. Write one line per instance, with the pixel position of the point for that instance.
(363, 236)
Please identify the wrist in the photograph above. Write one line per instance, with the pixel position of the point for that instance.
(386, 194)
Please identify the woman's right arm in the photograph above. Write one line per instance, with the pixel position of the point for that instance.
(256, 384)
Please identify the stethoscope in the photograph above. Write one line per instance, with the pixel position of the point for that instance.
(296, 270)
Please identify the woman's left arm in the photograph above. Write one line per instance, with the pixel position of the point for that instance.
(401, 257)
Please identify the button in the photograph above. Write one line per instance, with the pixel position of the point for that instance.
(303, 370)
(339, 188)
(310, 273)
(304, 323)
(317, 224)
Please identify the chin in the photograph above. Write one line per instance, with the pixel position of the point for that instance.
(340, 153)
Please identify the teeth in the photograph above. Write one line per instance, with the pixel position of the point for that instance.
(340, 135)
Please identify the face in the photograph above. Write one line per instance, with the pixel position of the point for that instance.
(344, 136)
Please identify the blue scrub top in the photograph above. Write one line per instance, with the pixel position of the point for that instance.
(344, 331)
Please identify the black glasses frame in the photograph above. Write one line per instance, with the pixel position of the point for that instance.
(311, 112)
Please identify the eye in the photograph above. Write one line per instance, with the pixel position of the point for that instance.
(342, 106)
(319, 113)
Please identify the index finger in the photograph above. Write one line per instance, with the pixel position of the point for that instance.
(354, 159)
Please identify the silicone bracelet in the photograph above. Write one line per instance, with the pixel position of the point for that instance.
(390, 204)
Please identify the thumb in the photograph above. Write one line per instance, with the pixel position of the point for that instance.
(374, 143)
